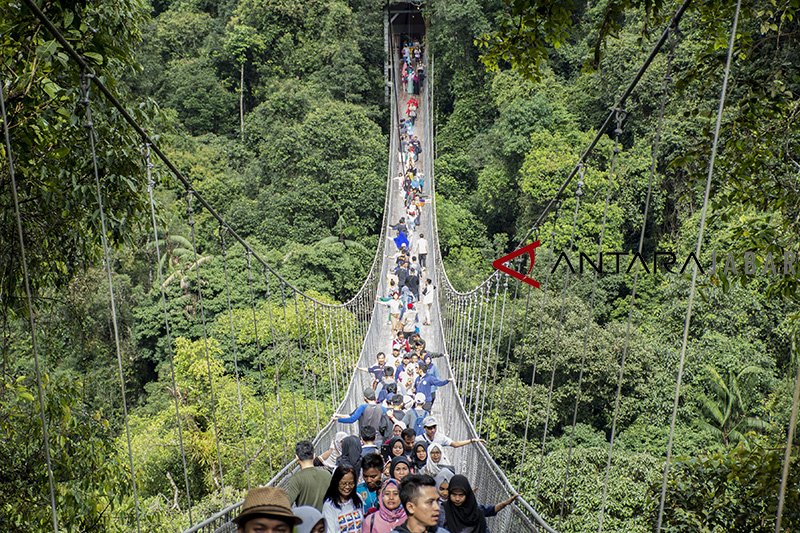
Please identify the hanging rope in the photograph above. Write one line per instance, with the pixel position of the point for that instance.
(634, 285)
(167, 330)
(543, 297)
(300, 325)
(274, 354)
(199, 281)
(235, 351)
(489, 350)
(85, 101)
(560, 322)
(688, 319)
(787, 455)
(31, 316)
(499, 341)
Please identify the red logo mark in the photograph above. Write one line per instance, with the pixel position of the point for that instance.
(499, 264)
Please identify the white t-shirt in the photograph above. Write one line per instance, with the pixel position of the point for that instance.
(422, 245)
(440, 439)
(347, 519)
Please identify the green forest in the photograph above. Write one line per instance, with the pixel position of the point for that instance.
(275, 111)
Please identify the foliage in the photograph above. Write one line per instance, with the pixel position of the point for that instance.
(55, 181)
(732, 490)
(90, 477)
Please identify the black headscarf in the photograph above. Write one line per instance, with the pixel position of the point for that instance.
(468, 516)
(419, 465)
(396, 461)
(351, 453)
(388, 448)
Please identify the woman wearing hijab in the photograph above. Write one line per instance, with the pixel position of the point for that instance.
(351, 453)
(437, 460)
(313, 522)
(462, 513)
(400, 468)
(330, 457)
(443, 485)
(395, 448)
(390, 514)
(342, 507)
(419, 456)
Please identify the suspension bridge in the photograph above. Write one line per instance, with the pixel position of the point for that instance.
(468, 327)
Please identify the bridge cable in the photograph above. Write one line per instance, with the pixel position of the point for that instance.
(89, 125)
(274, 357)
(235, 351)
(303, 360)
(499, 344)
(673, 24)
(199, 281)
(542, 298)
(319, 355)
(167, 330)
(562, 313)
(31, 315)
(632, 301)
(260, 357)
(489, 352)
(289, 358)
(787, 456)
(690, 303)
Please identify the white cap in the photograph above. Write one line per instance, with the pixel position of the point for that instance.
(419, 398)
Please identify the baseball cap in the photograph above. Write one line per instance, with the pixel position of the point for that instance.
(369, 394)
(419, 398)
(429, 422)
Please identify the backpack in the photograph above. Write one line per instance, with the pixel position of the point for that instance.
(417, 426)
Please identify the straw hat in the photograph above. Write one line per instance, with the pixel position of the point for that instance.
(267, 502)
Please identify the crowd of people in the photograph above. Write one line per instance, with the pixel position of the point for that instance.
(395, 476)
(404, 484)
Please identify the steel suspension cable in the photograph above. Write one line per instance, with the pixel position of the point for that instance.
(235, 351)
(477, 359)
(634, 284)
(259, 351)
(167, 330)
(489, 351)
(274, 358)
(787, 454)
(300, 325)
(499, 342)
(89, 125)
(491, 360)
(560, 324)
(703, 213)
(31, 316)
(620, 104)
(543, 297)
(284, 305)
(199, 282)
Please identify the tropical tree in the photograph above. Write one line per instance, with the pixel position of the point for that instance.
(726, 412)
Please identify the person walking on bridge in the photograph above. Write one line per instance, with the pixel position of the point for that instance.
(307, 487)
(421, 503)
(431, 435)
(368, 413)
(420, 249)
(463, 513)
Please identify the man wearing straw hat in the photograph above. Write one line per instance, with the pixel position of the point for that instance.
(266, 510)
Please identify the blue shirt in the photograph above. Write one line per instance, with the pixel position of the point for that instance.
(426, 383)
(369, 499)
(357, 414)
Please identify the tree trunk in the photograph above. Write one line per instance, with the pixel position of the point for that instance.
(241, 101)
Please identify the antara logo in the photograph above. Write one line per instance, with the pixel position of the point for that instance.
(530, 250)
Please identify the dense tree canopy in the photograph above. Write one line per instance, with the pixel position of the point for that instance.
(274, 111)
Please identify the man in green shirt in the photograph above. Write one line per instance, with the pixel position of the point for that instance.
(308, 486)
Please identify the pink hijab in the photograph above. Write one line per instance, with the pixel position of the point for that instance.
(384, 520)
